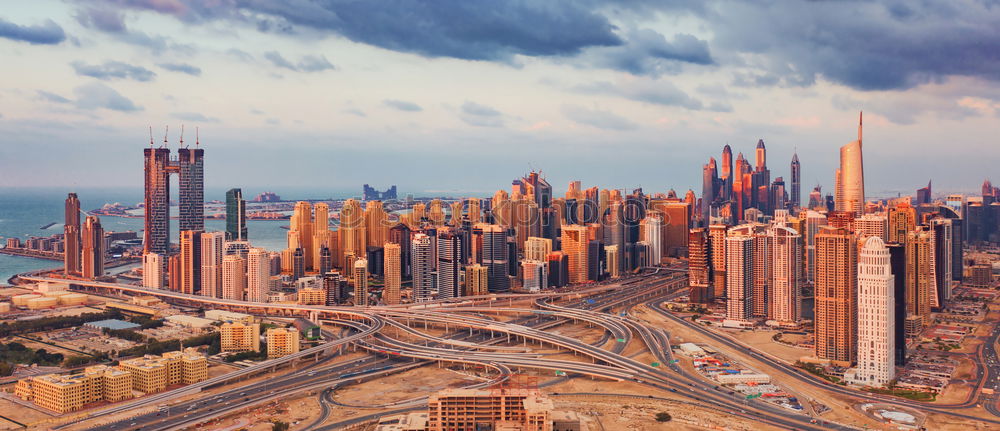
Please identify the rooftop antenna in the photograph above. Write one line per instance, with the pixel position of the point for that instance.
(196, 140)
(860, 118)
(182, 135)
(165, 133)
(150, 136)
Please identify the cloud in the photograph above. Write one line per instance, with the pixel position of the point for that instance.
(113, 70)
(402, 105)
(52, 97)
(182, 68)
(863, 45)
(355, 111)
(478, 115)
(46, 33)
(496, 30)
(308, 63)
(97, 95)
(652, 91)
(597, 118)
(194, 116)
(108, 20)
(647, 52)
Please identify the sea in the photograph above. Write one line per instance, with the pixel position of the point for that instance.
(25, 211)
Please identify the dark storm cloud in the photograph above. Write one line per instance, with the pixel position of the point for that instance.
(494, 30)
(182, 68)
(402, 105)
(46, 33)
(866, 45)
(650, 53)
(113, 70)
(308, 63)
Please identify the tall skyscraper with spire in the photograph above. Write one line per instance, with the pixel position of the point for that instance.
(876, 321)
(71, 235)
(796, 191)
(189, 165)
(850, 179)
(726, 173)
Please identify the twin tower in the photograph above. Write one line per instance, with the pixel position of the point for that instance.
(190, 169)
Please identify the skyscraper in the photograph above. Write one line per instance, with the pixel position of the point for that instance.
(156, 234)
(449, 265)
(212, 250)
(876, 320)
(784, 300)
(574, 244)
(71, 236)
(360, 280)
(476, 280)
(536, 248)
(352, 230)
(301, 226)
(393, 273)
(93, 248)
(423, 267)
(796, 192)
(496, 258)
(739, 276)
(234, 277)
(191, 169)
(190, 276)
(850, 191)
(376, 224)
(709, 188)
(921, 289)
(535, 275)
(699, 266)
(236, 216)
(258, 275)
(835, 295)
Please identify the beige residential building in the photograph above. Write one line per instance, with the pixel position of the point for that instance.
(282, 342)
(536, 248)
(476, 280)
(836, 295)
(311, 296)
(502, 409)
(393, 273)
(574, 244)
(360, 280)
(71, 392)
(239, 337)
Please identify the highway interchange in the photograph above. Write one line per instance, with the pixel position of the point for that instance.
(476, 336)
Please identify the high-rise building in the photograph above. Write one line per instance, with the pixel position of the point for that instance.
(870, 225)
(393, 273)
(189, 166)
(739, 275)
(423, 267)
(190, 276)
(814, 223)
(850, 191)
(902, 219)
(784, 300)
(876, 320)
(796, 192)
(152, 270)
(301, 232)
(156, 233)
(93, 248)
(613, 261)
(574, 244)
(322, 236)
(474, 211)
(944, 236)
(234, 277)
(536, 248)
(921, 289)
(535, 275)
(476, 280)
(352, 230)
(496, 258)
(835, 295)
(360, 280)
(699, 266)
(717, 242)
(651, 230)
(212, 250)
(449, 264)
(236, 216)
(709, 189)
(258, 275)
(376, 224)
(71, 236)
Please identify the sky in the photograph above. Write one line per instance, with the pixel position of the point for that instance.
(460, 97)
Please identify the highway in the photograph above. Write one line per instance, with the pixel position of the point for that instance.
(807, 378)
